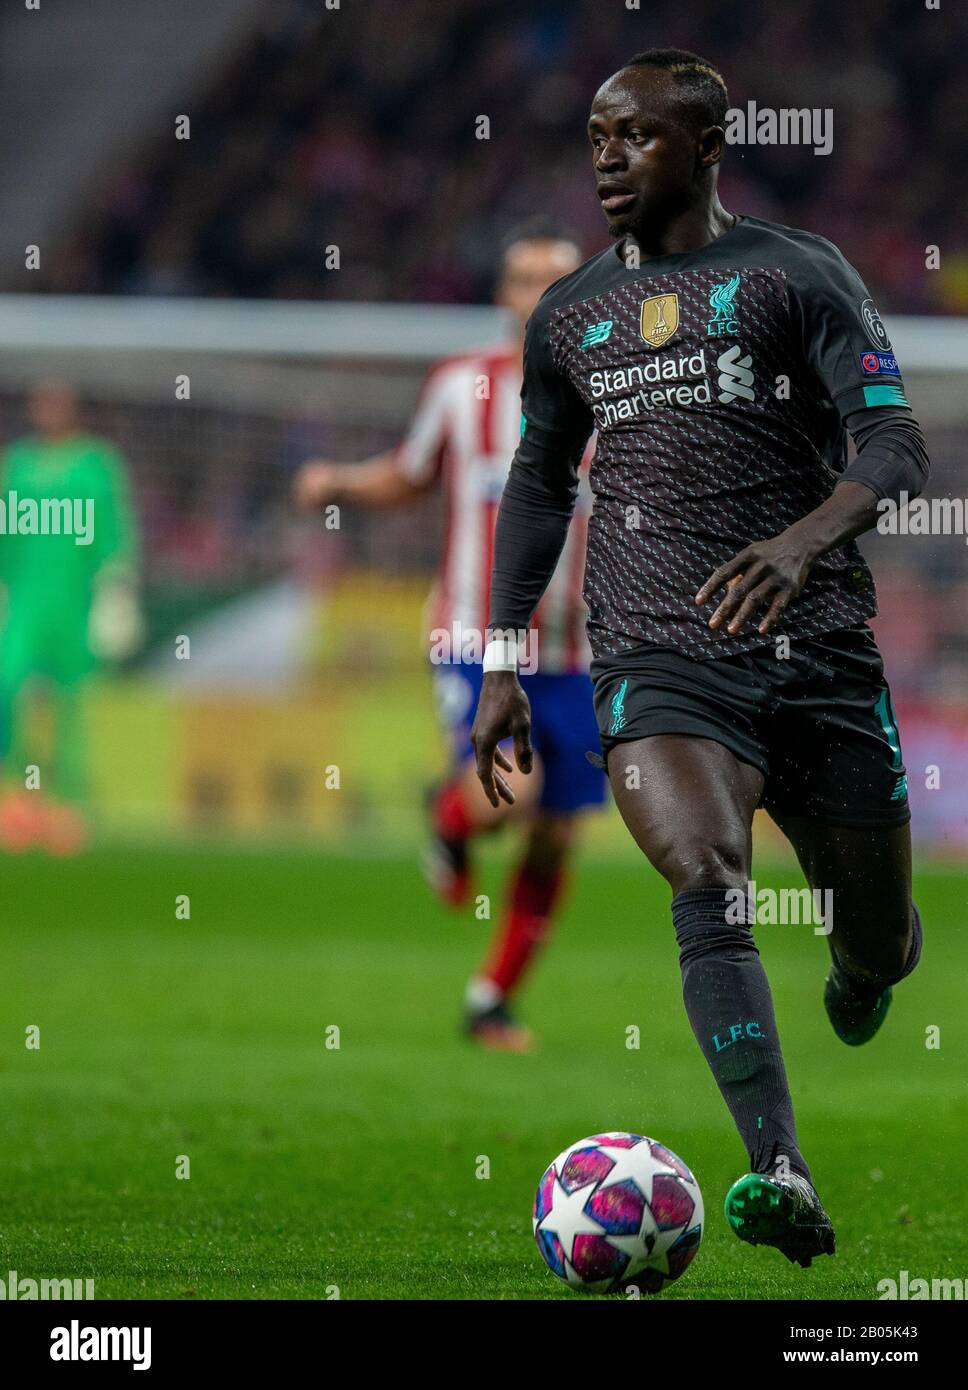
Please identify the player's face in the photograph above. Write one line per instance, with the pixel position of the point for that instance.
(646, 161)
(529, 268)
(52, 410)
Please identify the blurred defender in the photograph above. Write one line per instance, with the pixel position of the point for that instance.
(462, 437)
(69, 601)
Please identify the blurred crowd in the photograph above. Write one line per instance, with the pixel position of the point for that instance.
(357, 127)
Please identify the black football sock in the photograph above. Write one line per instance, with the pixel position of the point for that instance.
(865, 982)
(917, 940)
(727, 997)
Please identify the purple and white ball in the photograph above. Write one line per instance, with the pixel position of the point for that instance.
(618, 1210)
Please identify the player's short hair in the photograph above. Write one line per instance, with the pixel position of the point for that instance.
(701, 87)
(536, 229)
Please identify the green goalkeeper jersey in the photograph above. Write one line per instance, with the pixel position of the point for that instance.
(77, 487)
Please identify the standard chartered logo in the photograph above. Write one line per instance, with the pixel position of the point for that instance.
(683, 379)
(663, 380)
(735, 376)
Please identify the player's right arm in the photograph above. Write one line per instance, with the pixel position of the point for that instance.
(536, 508)
(398, 477)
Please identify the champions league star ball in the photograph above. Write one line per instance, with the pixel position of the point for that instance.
(618, 1210)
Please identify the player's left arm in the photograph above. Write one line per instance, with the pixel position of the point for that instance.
(840, 328)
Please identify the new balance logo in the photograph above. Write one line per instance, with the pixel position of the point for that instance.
(735, 378)
(596, 333)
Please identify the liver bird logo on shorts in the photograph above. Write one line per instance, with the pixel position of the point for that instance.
(618, 708)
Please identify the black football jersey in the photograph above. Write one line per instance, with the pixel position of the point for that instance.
(718, 381)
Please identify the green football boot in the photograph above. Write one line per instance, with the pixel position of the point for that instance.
(785, 1212)
(856, 1009)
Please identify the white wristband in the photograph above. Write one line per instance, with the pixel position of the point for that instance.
(501, 654)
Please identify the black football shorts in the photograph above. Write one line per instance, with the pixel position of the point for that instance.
(819, 724)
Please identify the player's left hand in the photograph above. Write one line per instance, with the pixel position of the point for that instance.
(766, 575)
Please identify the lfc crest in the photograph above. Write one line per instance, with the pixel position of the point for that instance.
(660, 319)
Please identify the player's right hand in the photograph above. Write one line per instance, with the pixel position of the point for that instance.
(503, 711)
(315, 484)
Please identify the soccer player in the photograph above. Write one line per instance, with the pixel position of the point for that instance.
(462, 437)
(723, 360)
(69, 600)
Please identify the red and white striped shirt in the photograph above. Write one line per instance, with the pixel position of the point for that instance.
(465, 431)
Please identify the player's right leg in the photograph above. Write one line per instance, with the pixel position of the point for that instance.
(23, 812)
(689, 805)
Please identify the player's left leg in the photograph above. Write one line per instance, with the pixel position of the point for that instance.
(875, 936)
(534, 891)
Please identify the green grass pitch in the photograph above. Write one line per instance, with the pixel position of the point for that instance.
(314, 1167)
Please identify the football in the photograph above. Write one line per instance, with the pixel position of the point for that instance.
(618, 1212)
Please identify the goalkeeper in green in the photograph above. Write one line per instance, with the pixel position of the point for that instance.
(68, 566)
